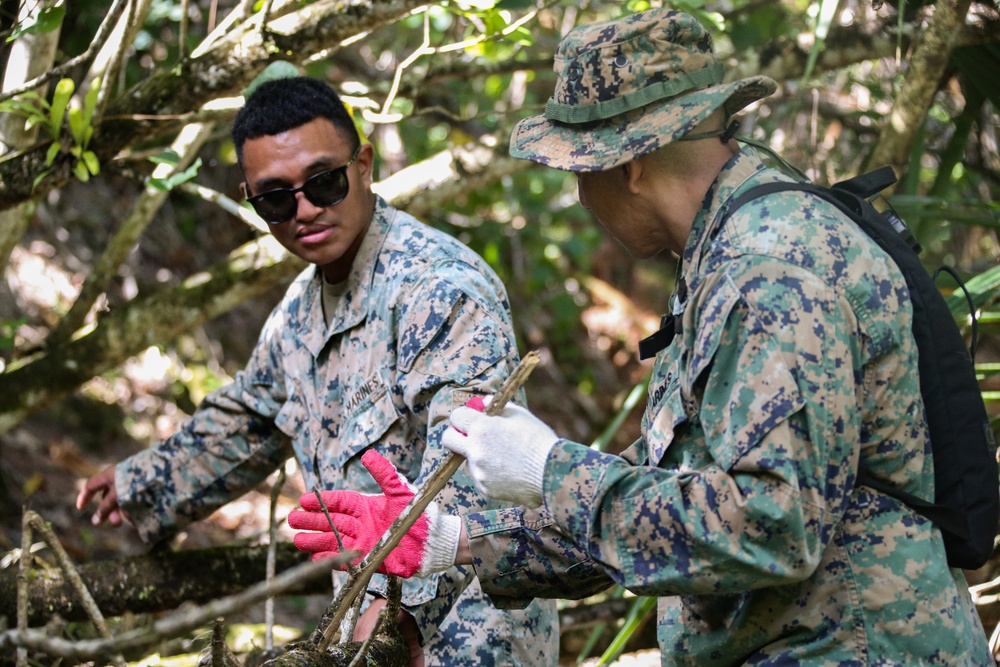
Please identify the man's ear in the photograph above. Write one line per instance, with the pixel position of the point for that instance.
(366, 158)
(634, 171)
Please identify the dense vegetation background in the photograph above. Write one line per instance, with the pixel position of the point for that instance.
(134, 281)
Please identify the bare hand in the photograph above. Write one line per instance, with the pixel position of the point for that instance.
(407, 628)
(102, 484)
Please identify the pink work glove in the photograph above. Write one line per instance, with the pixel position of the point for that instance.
(361, 519)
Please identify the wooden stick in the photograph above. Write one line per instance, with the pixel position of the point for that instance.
(356, 584)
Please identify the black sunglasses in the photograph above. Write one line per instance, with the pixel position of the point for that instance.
(323, 189)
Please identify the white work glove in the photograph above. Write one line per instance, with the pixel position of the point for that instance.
(505, 454)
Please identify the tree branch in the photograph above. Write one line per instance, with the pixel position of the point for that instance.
(34, 382)
(61, 70)
(916, 94)
(224, 70)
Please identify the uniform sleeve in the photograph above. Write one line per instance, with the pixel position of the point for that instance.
(772, 369)
(455, 341)
(227, 447)
(520, 554)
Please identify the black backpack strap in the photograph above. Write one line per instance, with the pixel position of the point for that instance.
(762, 190)
(945, 518)
(849, 196)
(869, 184)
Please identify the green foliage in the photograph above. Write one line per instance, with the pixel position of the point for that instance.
(47, 20)
(173, 180)
(642, 608)
(8, 332)
(50, 115)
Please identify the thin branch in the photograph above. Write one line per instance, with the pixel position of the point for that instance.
(23, 574)
(110, 75)
(187, 144)
(33, 520)
(425, 49)
(102, 34)
(182, 37)
(272, 546)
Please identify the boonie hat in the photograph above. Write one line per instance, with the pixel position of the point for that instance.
(628, 87)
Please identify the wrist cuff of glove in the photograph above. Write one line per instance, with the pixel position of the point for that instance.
(534, 474)
(442, 541)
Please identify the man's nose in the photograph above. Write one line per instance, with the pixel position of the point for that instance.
(305, 209)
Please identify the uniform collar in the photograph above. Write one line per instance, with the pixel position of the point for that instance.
(352, 308)
(735, 174)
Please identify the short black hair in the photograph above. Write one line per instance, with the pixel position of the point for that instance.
(284, 104)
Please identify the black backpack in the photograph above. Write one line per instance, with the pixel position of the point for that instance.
(966, 482)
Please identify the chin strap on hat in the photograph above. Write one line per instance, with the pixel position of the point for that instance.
(724, 135)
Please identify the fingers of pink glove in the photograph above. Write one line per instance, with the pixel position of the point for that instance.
(315, 542)
(385, 474)
(476, 403)
(302, 520)
(331, 554)
(344, 502)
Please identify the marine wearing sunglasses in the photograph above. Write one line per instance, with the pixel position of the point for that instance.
(327, 188)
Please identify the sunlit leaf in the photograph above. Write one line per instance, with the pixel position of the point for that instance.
(90, 101)
(60, 100)
(76, 124)
(51, 153)
(50, 18)
(166, 156)
(80, 171)
(93, 164)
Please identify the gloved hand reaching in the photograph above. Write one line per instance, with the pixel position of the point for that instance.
(505, 454)
(361, 519)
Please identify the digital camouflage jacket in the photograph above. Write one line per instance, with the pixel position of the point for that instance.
(423, 323)
(737, 507)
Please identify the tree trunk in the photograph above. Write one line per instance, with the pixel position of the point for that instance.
(30, 56)
(153, 582)
(924, 70)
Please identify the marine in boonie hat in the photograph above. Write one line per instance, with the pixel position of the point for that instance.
(628, 87)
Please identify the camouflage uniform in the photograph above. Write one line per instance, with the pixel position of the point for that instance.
(422, 324)
(738, 505)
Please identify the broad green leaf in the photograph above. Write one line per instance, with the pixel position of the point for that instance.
(166, 156)
(172, 181)
(76, 125)
(39, 179)
(60, 100)
(90, 101)
(50, 155)
(80, 171)
(51, 18)
(47, 20)
(93, 164)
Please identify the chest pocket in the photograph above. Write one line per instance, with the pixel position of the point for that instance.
(667, 414)
(371, 414)
(294, 418)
